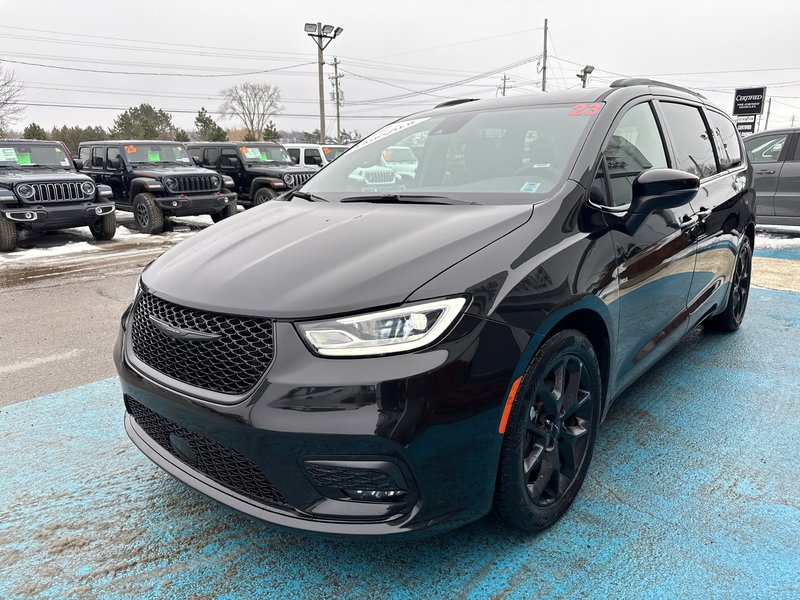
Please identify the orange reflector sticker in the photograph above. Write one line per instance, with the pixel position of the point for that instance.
(507, 410)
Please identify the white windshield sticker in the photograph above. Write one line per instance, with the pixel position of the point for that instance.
(184, 159)
(8, 154)
(64, 162)
(530, 187)
(392, 129)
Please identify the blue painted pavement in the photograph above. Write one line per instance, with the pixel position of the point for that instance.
(694, 492)
(784, 253)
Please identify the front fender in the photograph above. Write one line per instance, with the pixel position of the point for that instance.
(271, 182)
(145, 184)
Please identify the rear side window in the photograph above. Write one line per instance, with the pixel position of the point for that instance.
(765, 148)
(693, 151)
(634, 146)
(726, 139)
(211, 156)
(97, 157)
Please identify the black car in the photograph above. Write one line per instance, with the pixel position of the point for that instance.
(775, 156)
(155, 180)
(40, 190)
(261, 170)
(353, 362)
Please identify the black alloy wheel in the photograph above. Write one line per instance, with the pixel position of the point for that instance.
(550, 433)
(263, 195)
(731, 318)
(149, 217)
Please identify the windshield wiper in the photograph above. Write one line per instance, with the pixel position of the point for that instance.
(410, 198)
(306, 196)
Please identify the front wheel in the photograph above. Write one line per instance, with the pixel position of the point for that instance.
(149, 217)
(550, 433)
(226, 212)
(104, 227)
(8, 235)
(731, 318)
(263, 195)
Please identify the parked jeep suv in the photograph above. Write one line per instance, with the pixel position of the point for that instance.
(261, 170)
(41, 190)
(155, 180)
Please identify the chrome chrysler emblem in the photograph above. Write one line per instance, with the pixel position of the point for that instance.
(179, 333)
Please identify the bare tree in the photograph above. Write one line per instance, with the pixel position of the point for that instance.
(10, 96)
(253, 103)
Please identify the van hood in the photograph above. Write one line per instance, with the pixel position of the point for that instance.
(301, 260)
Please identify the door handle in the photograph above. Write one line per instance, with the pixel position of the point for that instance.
(766, 172)
(687, 222)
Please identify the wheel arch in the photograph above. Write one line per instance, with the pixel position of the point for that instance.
(137, 186)
(258, 183)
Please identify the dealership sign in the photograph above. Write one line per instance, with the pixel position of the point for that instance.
(749, 101)
(746, 124)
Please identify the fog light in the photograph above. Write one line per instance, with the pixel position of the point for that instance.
(98, 211)
(29, 216)
(376, 495)
(174, 203)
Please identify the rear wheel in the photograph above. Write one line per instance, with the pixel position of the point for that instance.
(149, 217)
(262, 195)
(731, 318)
(8, 235)
(550, 433)
(104, 227)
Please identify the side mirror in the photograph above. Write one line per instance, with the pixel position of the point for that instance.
(661, 189)
(231, 161)
(114, 163)
(197, 161)
(78, 163)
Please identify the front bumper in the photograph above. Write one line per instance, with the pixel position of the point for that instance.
(428, 419)
(57, 216)
(181, 205)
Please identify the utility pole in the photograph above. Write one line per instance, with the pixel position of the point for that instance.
(337, 97)
(505, 79)
(544, 59)
(322, 36)
(792, 121)
(769, 108)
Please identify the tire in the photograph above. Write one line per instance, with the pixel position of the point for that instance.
(105, 227)
(226, 212)
(8, 235)
(149, 217)
(549, 438)
(263, 195)
(731, 318)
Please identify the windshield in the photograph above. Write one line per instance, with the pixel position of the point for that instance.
(138, 153)
(21, 155)
(264, 153)
(487, 156)
(333, 152)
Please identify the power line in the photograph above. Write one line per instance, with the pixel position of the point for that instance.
(472, 41)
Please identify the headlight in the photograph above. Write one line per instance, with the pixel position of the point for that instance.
(88, 188)
(25, 191)
(288, 179)
(385, 332)
(214, 180)
(171, 183)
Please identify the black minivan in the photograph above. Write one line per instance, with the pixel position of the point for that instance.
(390, 357)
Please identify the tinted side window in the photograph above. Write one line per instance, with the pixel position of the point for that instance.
(85, 153)
(294, 153)
(210, 157)
(111, 154)
(726, 139)
(692, 141)
(312, 157)
(97, 157)
(765, 148)
(635, 146)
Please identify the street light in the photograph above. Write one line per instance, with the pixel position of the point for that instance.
(584, 74)
(322, 36)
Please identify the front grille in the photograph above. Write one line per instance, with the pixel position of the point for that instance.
(57, 192)
(302, 178)
(343, 478)
(195, 183)
(230, 363)
(379, 176)
(212, 459)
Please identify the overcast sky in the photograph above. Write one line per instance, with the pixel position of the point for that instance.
(387, 50)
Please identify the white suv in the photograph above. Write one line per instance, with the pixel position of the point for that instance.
(314, 155)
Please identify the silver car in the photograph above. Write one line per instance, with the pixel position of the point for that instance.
(775, 156)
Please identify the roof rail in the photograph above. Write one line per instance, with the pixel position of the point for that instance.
(630, 81)
(454, 102)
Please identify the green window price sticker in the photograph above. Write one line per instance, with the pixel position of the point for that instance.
(153, 156)
(23, 158)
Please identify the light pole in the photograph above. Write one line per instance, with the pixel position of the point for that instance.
(584, 74)
(322, 36)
